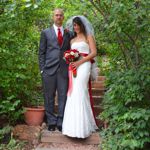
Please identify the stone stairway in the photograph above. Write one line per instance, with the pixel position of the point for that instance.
(98, 89)
(56, 141)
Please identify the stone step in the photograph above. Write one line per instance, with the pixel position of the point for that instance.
(97, 100)
(66, 146)
(98, 92)
(98, 84)
(101, 78)
(97, 110)
(58, 137)
(99, 123)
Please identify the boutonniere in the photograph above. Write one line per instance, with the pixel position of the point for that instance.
(66, 30)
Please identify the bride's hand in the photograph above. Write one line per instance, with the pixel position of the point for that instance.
(75, 65)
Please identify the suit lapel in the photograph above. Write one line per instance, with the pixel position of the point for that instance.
(55, 36)
(64, 37)
(53, 33)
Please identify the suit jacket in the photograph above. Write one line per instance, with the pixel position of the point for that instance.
(51, 54)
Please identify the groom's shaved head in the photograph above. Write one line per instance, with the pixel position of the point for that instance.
(58, 10)
(58, 16)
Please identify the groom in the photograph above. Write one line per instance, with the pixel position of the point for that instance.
(54, 41)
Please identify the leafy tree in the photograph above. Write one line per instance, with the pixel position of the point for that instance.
(19, 28)
(125, 27)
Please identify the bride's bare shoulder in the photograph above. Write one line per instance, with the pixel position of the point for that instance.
(90, 39)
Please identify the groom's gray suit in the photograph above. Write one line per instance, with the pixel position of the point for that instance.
(54, 73)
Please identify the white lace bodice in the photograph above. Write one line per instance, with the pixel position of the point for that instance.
(82, 47)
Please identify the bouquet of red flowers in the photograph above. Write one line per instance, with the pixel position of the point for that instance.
(71, 56)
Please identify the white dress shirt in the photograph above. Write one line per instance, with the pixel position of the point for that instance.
(56, 29)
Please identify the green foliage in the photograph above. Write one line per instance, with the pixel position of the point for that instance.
(13, 145)
(126, 108)
(121, 31)
(5, 130)
(103, 64)
(125, 36)
(8, 109)
(7, 141)
(19, 29)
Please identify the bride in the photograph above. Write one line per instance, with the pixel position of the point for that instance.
(78, 119)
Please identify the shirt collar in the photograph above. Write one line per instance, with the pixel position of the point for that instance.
(56, 29)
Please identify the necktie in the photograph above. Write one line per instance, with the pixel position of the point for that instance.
(60, 37)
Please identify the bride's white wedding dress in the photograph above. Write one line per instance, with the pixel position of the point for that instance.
(78, 116)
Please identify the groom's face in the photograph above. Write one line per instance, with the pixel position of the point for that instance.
(58, 17)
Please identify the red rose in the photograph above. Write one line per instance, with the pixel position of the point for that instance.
(71, 56)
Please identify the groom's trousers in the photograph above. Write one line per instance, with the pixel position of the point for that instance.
(51, 84)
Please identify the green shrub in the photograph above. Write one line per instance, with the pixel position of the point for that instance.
(19, 74)
(126, 108)
(125, 32)
(7, 142)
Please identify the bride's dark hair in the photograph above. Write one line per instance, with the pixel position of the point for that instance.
(78, 21)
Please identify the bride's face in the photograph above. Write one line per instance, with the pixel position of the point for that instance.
(76, 28)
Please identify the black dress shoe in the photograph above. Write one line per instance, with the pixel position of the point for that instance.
(51, 128)
(59, 128)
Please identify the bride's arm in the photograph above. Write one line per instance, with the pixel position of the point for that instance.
(92, 54)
